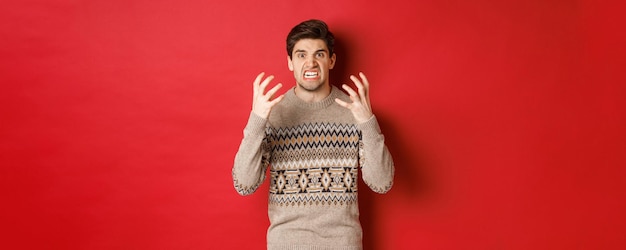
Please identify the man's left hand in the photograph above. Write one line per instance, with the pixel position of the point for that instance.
(360, 106)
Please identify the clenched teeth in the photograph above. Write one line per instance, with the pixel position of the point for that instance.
(310, 74)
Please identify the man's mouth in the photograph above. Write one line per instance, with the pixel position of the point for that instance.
(310, 74)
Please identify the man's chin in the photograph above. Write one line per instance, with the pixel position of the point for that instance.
(311, 86)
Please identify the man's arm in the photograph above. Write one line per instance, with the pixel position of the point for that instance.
(375, 160)
(374, 157)
(252, 158)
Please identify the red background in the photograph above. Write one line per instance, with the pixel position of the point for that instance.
(120, 120)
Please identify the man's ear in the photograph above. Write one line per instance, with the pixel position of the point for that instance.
(333, 58)
(289, 63)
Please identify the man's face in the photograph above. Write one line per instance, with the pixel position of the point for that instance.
(310, 62)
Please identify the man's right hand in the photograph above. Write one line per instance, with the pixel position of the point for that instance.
(262, 103)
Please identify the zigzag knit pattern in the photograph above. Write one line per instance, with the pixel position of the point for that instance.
(314, 164)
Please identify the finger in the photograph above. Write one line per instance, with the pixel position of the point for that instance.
(257, 81)
(356, 80)
(366, 83)
(273, 91)
(351, 92)
(342, 103)
(276, 100)
(264, 84)
(360, 86)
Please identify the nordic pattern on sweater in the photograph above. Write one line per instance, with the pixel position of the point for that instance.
(313, 164)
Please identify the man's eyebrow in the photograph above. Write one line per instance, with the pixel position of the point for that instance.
(301, 50)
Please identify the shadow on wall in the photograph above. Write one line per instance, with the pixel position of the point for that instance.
(410, 181)
(412, 178)
(339, 74)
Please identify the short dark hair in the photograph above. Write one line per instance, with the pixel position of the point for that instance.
(311, 29)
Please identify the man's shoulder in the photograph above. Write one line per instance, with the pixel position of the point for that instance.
(338, 93)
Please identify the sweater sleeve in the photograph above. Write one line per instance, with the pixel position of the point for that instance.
(374, 157)
(252, 158)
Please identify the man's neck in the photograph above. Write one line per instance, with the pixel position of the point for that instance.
(312, 96)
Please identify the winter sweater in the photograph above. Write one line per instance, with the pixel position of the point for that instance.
(314, 152)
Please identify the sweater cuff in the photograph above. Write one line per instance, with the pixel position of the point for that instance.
(370, 127)
(255, 125)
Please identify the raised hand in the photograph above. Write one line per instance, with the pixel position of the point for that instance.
(360, 105)
(262, 102)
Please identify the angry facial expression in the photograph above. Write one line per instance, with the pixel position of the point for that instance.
(310, 62)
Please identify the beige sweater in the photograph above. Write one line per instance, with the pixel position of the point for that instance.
(314, 151)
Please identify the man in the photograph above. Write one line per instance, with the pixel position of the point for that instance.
(314, 138)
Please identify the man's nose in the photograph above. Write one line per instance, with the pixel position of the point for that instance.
(310, 61)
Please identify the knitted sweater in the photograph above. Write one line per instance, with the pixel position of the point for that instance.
(314, 151)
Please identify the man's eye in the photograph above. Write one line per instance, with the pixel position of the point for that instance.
(301, 55)
(320, 55)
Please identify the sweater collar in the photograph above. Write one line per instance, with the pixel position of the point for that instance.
(327, 101)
